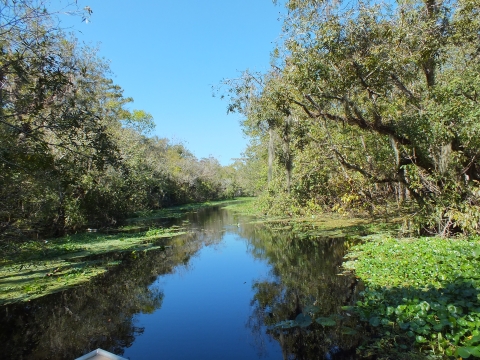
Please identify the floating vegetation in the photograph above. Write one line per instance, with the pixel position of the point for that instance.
(176, 212)
(421, 294)
(328, 226)
(37, 268)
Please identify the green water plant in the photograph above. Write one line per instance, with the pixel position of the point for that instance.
(175, 212)
(421, 295)
(37, 268)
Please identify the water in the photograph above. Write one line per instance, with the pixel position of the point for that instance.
(205, 307)
(217, 293)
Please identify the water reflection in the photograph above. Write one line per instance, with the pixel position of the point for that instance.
(101, 313)
(112, 311)
(305, 280)
(66, 325)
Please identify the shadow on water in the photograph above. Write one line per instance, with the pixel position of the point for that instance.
(99, 314)
(303, 280)
(307, 306)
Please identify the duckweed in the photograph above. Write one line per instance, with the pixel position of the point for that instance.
(37, 268)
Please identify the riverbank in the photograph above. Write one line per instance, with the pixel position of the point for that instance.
(36, 268)
(422, 295)
(323, 225)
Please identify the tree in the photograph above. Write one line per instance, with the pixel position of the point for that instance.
(403, 76)
(72, 154)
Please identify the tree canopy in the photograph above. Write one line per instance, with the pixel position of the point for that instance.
(368, 102)
(72, 151)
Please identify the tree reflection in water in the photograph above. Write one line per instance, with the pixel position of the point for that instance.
(305, 280)
(66, 325)
(101, 313)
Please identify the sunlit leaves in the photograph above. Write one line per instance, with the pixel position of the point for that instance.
(425, 289)
(71, 153)
(386, 98)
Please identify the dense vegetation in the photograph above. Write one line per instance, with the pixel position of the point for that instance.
(421, 297)
(373, 108)
(72, 152)
(31, 268)
(368, 104)
(367, 107)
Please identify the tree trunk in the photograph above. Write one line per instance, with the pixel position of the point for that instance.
(271, 152)
(287, 153)
(399, 186)
(429, 64)
(60, 220)
(443, 157)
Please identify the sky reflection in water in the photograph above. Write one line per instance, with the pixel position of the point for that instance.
(210, 295)
(205, 309)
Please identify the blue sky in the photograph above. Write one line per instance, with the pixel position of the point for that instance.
(167, 54)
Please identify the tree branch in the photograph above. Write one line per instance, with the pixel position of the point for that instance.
(404, 89)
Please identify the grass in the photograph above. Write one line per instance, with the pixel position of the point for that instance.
(244, 206)
(176, 211)
(422, 296)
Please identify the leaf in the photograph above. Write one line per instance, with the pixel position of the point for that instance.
(374, 321)
(420, 339)
(348, 331)
(462, 352)
(452, 309)
(303, 320)
(473, 340)
(326, 321)
(473, 350)
(286, 324)
(386, 322)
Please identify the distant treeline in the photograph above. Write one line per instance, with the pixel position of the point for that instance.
(71, 154)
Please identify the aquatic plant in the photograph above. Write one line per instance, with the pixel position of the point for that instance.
(37, 268)
(421, 294)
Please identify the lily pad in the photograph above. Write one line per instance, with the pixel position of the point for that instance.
(326, 321)
(303, 320)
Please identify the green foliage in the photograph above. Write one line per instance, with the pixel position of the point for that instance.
(34, 269)
(244, 206)
(72, 156)
(423, 293)
(277, 204)
(368, 104)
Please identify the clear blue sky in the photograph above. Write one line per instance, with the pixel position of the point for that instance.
(167, 54)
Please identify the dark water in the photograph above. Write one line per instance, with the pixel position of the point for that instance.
(218, 293)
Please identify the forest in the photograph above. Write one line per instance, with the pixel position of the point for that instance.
(363, 158)
(371, 109)
(365, 106)
(369, 106)
(72, 152)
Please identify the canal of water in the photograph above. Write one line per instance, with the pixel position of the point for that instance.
(230, 289)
